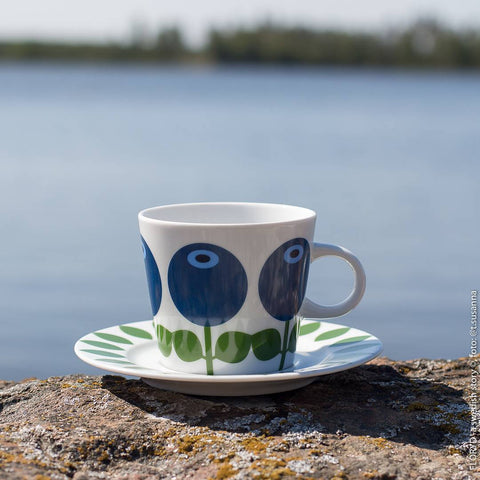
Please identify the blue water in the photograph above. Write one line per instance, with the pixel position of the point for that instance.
(389, 160)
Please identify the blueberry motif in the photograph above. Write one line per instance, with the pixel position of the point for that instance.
(207, 284)
(283, 279)
(153, 278)
(202, 258)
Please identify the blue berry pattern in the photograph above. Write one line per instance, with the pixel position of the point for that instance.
(207, 283)
(153, 278)
(283, 279)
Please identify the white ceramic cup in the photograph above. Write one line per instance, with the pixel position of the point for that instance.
(227, 284)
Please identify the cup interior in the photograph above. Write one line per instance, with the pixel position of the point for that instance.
(226, 213)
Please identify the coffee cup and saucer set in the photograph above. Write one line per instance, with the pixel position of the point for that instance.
(227, 286)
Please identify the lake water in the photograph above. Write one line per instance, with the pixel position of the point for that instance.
(389, 160)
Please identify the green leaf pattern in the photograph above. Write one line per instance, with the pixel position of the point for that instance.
(233, 347)
(114, 360)
(351, 340)
(135, 332)
(266, 344)
(309, 328)
(104, 349)
(104, 353)
(108, 346)
(113, 338)
(187, 345)
(332, 334)
(230, 347)
(292, 342)
(164, 339)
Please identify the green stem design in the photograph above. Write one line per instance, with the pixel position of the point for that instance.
(285, 344)
(208, 350)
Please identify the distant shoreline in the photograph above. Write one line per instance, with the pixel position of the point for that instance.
(425, 45)
(239, 67)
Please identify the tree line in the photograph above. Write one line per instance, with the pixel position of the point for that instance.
(424, 44)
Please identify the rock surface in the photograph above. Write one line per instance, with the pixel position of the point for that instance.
(384, 420)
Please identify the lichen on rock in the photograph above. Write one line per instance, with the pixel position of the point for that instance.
(382, 420)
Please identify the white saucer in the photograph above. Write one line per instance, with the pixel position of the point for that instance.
(322, 348)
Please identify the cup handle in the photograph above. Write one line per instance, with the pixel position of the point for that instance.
(311, 309)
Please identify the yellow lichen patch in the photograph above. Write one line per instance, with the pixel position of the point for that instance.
(160, 451)
(221, 459)
(104, 457)
(293, 458)
(419, 406)
(192, 443)
(187, 444)
(449, 428)
(254, 445)
(170, 432)
(379, 442)
(280, 446)
(453, 450)
(464, 415)
(67, 465)
(270, 469)
(6, 458)
(340, 475)
(80, 383)
(371, 474)
(225, 471)
(105, 450)
(404, 369)
(41, 477)
(92, 446)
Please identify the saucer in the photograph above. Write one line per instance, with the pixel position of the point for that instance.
(322, 348)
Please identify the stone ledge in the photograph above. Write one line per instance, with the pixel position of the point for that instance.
(383, 420)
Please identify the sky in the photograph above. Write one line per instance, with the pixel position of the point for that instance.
(113, 19)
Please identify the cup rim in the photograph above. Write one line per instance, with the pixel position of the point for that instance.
(302, 214)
